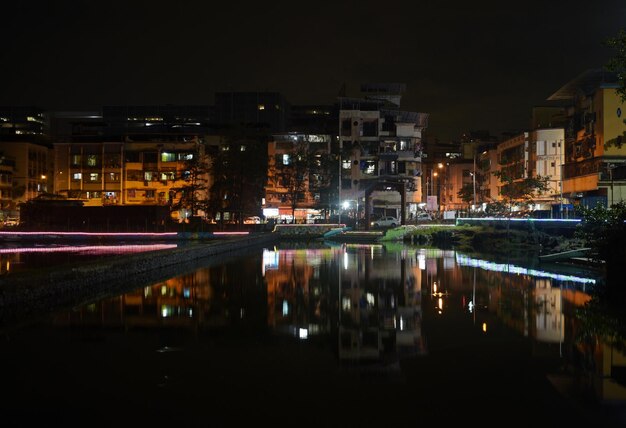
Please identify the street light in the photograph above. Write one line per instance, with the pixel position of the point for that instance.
(474, 180)
(611, 167)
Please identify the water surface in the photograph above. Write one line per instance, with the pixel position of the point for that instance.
(320, 335)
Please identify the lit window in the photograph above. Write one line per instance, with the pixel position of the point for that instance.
(168, 157)
(261, 106)
(147, 176)
(94, 176)
(77, 176)
(286, 159)
(92, 160)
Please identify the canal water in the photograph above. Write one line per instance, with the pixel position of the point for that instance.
(322, 334)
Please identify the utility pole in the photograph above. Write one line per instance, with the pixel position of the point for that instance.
(340, 146)
(611, 168)
(474, 180)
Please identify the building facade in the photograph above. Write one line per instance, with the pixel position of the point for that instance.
(595, 155)
(381, 154)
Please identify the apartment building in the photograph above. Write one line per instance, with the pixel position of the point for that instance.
(299, 178)
(128, 155)
(380, 153)
(595, 155)
(25, 157)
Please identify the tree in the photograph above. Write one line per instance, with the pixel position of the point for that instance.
(294, 176)
(517, 191)
(470, 191)
(238, 169)
(193, 194)
(466, 193)
(603, 230)
(617, 64)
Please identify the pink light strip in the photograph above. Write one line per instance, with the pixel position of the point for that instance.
(90, 233)
(231, 233)
(91, 248)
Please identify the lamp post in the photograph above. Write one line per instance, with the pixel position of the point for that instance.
(43, 187)
(339, 185)
(440, 188)
(474, 181)
(611, 167)
(561, 161)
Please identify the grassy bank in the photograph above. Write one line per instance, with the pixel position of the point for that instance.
(497, 241)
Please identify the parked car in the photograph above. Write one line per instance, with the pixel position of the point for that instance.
(386, 222)
(11, 221)
(423, 216)
(252, 220)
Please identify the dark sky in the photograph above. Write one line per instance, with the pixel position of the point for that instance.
(470, 64)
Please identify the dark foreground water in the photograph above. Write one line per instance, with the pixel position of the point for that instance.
(321, 335)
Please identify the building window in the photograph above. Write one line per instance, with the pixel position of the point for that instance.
(147, 175)
(150, 157)
(92, 160)
(94, 176)
(170, 175)
(150, 194)
(113, 177)
(131, 193)
(168, 157)
(77, 176)
(75, 160)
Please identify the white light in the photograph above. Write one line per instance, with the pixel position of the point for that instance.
(303, 333)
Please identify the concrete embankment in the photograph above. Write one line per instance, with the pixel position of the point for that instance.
(30, 294)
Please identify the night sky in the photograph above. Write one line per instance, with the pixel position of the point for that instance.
(470, 65)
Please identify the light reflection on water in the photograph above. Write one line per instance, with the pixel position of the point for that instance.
(295, 329)
(20, 258)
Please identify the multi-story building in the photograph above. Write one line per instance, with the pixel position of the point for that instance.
(487, 185)
(22, 120)
(33, 166)
(260, 110)
(7, 170)
(454, 167)
(298, 188)
(137, 155)
(26, 153)
(595, 155)
(380, 153)
(547, 158)
(534, 154)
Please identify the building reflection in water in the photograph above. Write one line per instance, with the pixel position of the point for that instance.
(369, 302)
